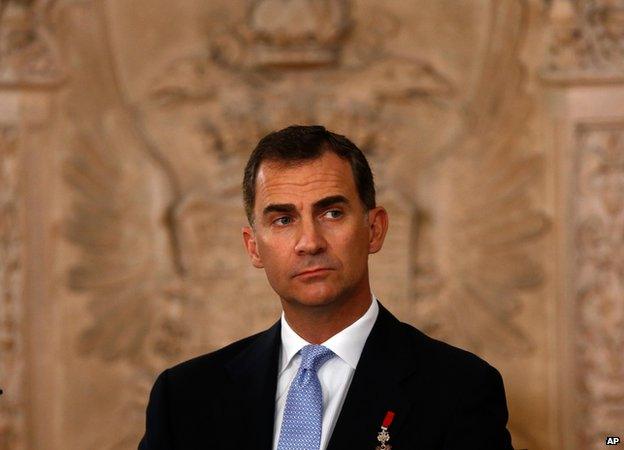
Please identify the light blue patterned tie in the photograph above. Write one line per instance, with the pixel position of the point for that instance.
(303, 413)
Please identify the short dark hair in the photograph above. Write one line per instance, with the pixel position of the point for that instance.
(298, 143)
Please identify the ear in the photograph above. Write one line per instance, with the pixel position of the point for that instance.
(378, 226)
(249, 239)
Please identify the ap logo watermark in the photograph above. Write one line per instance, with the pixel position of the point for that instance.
(612, 440)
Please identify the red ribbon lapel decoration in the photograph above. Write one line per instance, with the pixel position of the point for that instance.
(383, 436)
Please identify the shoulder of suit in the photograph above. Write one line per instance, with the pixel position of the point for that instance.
(446, 360)
(212, 362)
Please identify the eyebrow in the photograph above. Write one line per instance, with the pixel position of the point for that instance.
(320, 204)
(328, 201)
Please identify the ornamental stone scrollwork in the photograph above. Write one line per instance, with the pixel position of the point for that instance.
(586, 41)
(124, 232)
(480, 258)
(11, 281)
(268, 72)
(28, 54)
(146, 321)
(301, 32)
(599, 281)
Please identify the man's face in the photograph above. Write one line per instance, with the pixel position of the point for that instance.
(311, 232)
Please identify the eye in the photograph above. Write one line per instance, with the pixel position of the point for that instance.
(281, 221)
(333, 214)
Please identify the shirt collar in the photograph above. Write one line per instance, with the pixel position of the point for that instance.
(347, 344)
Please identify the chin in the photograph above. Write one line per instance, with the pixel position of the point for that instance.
(314, 297)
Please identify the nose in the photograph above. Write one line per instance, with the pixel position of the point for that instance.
(310, 240)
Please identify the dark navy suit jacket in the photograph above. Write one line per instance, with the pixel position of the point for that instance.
(443, 398)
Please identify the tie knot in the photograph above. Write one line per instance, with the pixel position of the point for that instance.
(314, 356)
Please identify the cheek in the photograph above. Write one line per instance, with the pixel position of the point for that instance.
(274, 255)
(353, 247)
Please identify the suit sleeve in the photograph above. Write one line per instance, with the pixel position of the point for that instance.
(480, 419)
(157, 424)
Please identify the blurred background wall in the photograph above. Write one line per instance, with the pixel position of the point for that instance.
(495, 129)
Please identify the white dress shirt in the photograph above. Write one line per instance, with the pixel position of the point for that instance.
(335, 375)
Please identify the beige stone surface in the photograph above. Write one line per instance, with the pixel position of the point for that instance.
(495, 129)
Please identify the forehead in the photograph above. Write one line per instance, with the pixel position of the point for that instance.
(279, 181)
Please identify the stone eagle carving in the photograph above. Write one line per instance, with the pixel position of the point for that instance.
(471, 261)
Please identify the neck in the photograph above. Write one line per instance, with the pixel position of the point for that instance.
(316, 324)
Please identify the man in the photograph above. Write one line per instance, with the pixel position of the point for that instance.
(337, 371)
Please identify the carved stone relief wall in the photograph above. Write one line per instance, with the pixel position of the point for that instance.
(29, 60)
(600, 281)
(156, 108)
(587, 41)
(12, 413)
(28, 53)
(153, 169)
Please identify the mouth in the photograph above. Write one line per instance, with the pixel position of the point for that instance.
(313, 272)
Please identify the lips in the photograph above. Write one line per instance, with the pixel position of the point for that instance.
(313, 271)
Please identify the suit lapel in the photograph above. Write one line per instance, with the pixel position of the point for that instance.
(376, 388)
(250, 409)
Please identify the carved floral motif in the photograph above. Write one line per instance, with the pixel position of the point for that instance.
(586, 41)
(599, 282)
(11, 281)
(302, 32)
(28, 54)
